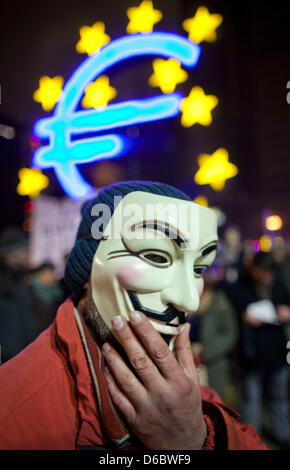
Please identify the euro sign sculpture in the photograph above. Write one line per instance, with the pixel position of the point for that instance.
(68, 128)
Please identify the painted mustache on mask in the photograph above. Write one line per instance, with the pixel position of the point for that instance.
(169, 314)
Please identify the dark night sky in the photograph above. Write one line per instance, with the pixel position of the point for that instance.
(247, 68)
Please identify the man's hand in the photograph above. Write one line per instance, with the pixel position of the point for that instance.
(161, 403)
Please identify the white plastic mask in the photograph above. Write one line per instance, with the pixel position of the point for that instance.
(154, 251)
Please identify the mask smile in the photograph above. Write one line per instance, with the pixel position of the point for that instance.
(169, 314)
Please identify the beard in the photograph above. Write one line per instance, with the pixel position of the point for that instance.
(96, 325)
(94, 321)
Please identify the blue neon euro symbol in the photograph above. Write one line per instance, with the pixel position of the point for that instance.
(66, 126)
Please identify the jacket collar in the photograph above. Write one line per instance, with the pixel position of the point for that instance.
(86, 359)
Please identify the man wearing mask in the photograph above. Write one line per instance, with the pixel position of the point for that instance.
(115, 369)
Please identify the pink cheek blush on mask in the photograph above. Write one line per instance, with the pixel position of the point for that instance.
(129, 275)
(200, 287)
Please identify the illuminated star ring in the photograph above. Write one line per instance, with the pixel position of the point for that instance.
(66, 128)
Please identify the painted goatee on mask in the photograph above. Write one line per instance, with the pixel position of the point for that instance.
(151, 257)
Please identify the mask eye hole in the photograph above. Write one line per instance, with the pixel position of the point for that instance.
(156, 258)
(199, 270)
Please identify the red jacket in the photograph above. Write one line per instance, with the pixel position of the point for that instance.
(54, 396)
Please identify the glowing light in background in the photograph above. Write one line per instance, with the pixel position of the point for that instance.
(31, 182)
(106, 173)
(34, 141)
(7, 132)
(27, 226)
(92, 38)
(202, 27)
(197, 107)
(49, 92)
(63, 153)
(167, 74)
(201, 200)
(215, 169)
(265, 243)
(273, 222)
(29, 207)
(143, 18)
(99, 93)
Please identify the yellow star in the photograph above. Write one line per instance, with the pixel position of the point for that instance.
(201, 200)
(197, 107)
(167, 74)
(142, 18)
(215, 169)
(31, 182)
(203, 25)
(49, 92)
(265, 243)
(98, 93)
(92, 38)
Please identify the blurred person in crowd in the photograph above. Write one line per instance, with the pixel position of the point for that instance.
(229, 254)
(233, 244)
(262, 300)
(47, 294)
(230, 246)
(215, 328)
(65, 289)
(247, 255)
(282, 258)
(16, 312)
